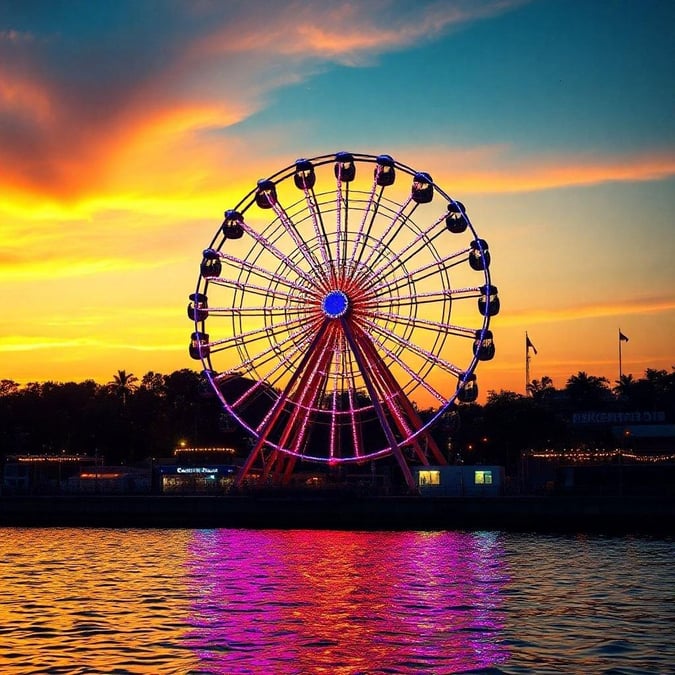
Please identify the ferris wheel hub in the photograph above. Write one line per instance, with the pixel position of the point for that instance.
(335, 304)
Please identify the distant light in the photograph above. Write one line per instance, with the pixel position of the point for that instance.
(226, 451)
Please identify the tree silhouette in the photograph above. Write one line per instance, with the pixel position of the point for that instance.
(123, 384)
(625, 388)
(126, 420)
(541, 389)
(587, 390)
(8, 387)
(656, 390)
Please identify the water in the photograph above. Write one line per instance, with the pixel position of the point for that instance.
(277, 602)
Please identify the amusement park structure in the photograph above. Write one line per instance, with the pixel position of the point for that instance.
(322, 314)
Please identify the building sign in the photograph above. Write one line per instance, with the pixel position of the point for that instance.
(214, 469)
(196, 469)
(637, 417)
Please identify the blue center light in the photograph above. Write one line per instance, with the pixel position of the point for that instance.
(335, 304)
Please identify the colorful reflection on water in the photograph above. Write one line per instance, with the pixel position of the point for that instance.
(342, 602)
(303, 602)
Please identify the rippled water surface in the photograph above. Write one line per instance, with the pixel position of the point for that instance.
(242, 601)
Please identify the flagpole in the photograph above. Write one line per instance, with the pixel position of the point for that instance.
(620, 366)
(527, 364)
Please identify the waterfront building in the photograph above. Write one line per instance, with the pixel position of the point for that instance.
(44, 474)
(197, 479)
(196, 470)
(117, 480)
(460, 481)
(597, 471)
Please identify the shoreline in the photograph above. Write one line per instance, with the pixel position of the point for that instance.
(610, 514)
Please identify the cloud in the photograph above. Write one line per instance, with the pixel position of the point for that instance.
(16, 36)
(636, 306)
(346, 33)
(201, 176)
(18, 343)
(91, 82)
(501, 169)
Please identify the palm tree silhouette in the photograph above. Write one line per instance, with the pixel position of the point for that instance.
(123, 384)
(539, 389)
(587, 389)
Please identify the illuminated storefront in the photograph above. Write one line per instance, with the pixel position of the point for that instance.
(206, 479)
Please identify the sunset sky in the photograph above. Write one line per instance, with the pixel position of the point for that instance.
(127, 127)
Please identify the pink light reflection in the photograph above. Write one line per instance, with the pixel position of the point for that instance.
(345, 602)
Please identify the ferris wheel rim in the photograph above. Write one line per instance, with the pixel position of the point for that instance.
(242, 207)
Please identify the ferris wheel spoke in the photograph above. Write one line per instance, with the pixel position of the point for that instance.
(301, 376)
(254, 289)
(292, 347)
(285, 259)
(304, 397)
(391, 397)
(422, 241)
(413, 275)
(363, 233)
(270, 418)
(397, 221)
(354, 407)
(426, 324)
(401, 410)
(321, 388)
(340, 201)
(262, 310)
(404, 414)
(320, 232)
(425, 296)
(282, 354)
(306, 252)
(339, 386)
(411, 372)
(261, 273)
(409, 346)
(263, 332)
(354, 424)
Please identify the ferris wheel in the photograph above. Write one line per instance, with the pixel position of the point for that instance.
(340, 311)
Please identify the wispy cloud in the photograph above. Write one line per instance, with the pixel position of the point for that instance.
(345, 33)
(503, 169)
(636, 306)
(41, 343)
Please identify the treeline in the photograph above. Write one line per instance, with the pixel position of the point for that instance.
(126, 420)
(130, 419)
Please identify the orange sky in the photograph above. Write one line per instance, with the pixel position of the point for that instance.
(116, 164)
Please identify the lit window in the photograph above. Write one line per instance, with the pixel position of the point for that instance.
(482, 477)
(429, 478)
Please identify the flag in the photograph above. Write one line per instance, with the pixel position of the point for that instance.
(528, 344)
(622, 337)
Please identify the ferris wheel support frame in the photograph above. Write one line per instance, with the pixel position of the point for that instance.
(276, 410)
(396, 394)
(379, 410)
